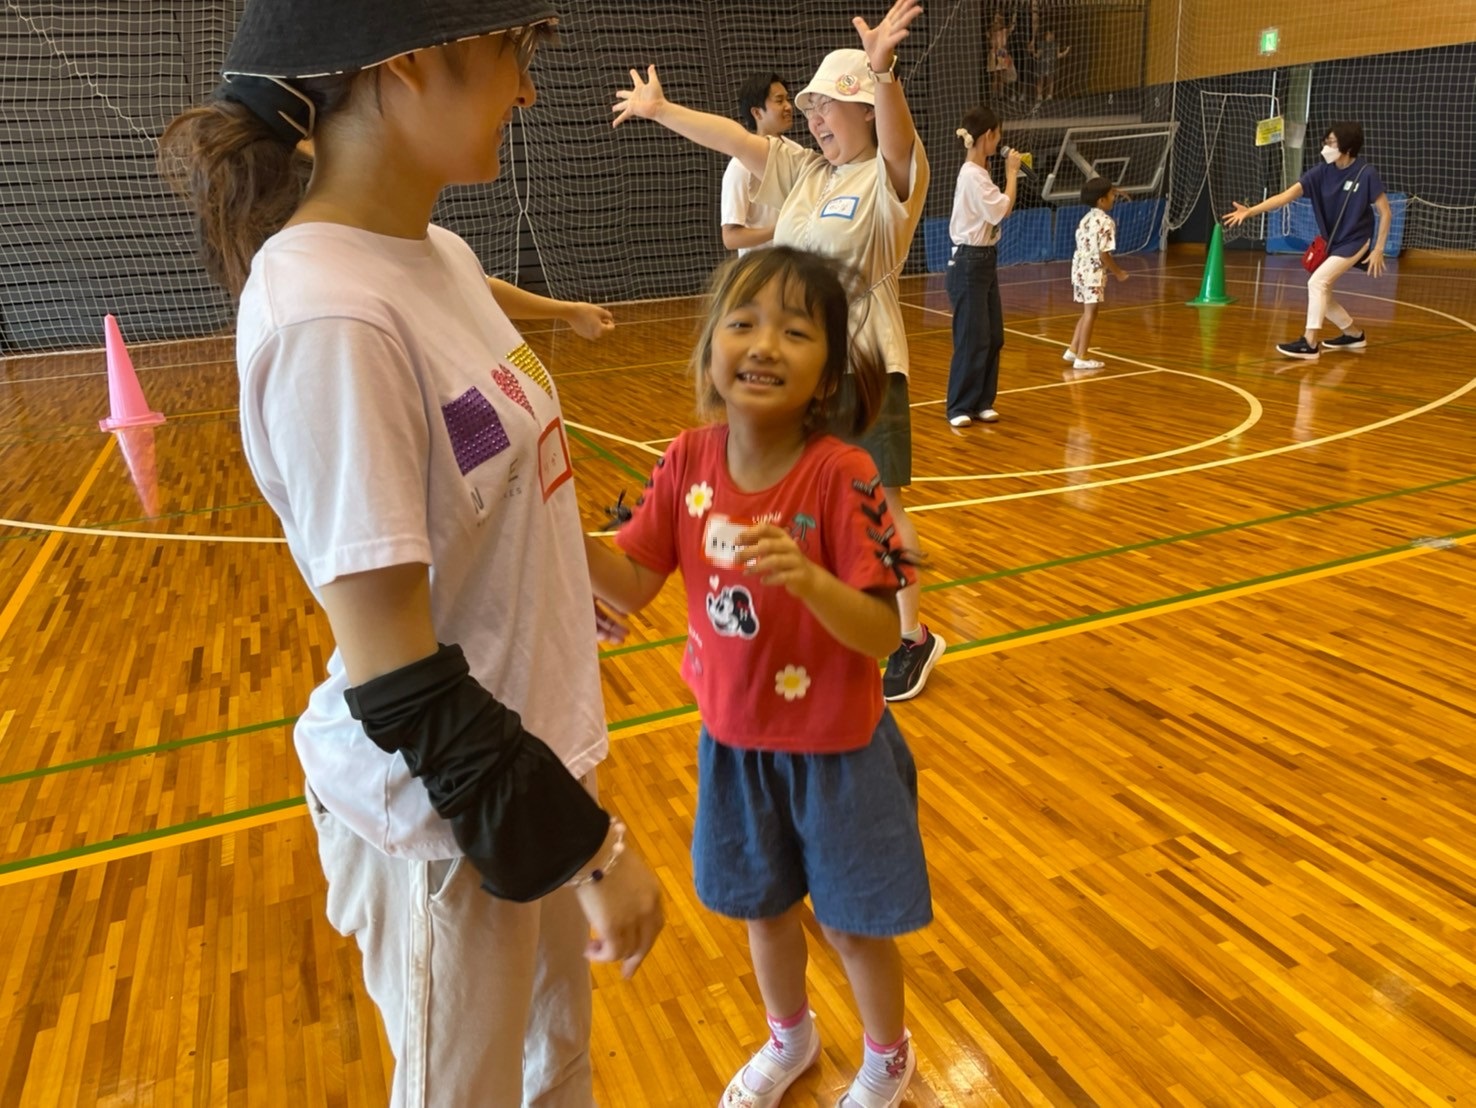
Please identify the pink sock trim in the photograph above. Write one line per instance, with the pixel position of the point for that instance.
(877, 1048)
(791, 1021)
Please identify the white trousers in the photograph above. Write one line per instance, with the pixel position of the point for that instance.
(485, 1002)
(1320, 304)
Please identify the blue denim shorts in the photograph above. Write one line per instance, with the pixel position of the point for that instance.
(841, 828)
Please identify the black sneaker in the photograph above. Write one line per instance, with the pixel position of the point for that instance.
(1346, 342)
(1299, 349)
(909, 666)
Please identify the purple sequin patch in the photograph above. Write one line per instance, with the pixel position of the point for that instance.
(475, 429)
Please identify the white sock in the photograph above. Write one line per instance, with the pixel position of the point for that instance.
(916, 635)
(788, 1045)
(883, 1067)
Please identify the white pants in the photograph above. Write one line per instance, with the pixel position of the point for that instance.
(1320, 304)
(485, 1002)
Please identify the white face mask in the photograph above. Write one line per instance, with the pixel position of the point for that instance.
(1330, 153)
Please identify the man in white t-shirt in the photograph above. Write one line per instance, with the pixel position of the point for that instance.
(765, 109)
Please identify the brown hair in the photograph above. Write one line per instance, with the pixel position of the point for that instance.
(242, 180)
(825, 291)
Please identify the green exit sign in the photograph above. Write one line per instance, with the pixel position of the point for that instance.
(1270, 40)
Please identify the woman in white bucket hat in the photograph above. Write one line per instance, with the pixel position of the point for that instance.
(859, 200)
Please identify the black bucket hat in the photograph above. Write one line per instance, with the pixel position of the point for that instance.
(317, 38)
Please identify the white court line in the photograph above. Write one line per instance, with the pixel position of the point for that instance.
(1271, 452)
(1002, 392)
(1055, 490)
(612, 437)
(1048, 385)
(1253, 416)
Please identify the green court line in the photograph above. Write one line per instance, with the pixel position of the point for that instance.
(637, 647)
(1114, 613)
(146, 836)
(1015, 571)
(683, 709)
(1092, 555)
(141, 751)
(601, 452)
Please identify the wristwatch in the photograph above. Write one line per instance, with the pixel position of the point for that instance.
(886, 76)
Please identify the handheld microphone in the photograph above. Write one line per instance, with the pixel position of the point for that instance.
(1027, 166)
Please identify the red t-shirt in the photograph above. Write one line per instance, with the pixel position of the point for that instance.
(766, 673)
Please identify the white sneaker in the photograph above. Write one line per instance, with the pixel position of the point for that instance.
(1088, 363)
(739, 1095)
(960, 421)
(1069, 356)
(988, 415)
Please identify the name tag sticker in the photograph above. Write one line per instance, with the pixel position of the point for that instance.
(554, 467)
(720, 540)
(842, 207)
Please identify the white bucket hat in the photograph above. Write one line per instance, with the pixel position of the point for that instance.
(843, 75)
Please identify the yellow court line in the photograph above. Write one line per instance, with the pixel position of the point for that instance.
(266, 818)
(52, 541)
(148, 846)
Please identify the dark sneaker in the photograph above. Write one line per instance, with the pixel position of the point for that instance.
(909, 666)
(1299, 349)
(1346, 342)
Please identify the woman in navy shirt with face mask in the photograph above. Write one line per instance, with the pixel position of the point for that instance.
(1344, 190)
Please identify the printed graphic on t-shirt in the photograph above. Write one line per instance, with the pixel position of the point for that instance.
(475, 430)
(842, 207)
(524, 358)
(554, 467)
(508, 382)
(732, 613)
(720, 540)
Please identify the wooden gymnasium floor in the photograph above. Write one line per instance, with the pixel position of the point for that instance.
(1198, 772)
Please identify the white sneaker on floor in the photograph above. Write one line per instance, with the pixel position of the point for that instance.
(1088, 363)
(960, 421)
(988, 415)
(1069, 355)
(739, 1095)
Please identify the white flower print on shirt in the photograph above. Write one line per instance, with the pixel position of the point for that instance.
(792, 682)
(699, 499)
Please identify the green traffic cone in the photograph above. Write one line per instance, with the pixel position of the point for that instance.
(1212, 288)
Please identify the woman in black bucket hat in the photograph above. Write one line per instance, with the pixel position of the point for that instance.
(413, 447)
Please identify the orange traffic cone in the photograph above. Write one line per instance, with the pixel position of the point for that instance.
(137, 444)
(126, 398)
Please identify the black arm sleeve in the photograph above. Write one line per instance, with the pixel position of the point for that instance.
(522, 819)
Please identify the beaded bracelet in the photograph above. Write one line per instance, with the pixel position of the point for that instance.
(599, 873)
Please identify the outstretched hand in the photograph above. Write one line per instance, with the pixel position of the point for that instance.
(1376, 263)
(1238, 216)
(645, 99)
(880, 42)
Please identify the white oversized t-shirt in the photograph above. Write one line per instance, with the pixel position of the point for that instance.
(852, 213)
(979, 207)
(392, 414)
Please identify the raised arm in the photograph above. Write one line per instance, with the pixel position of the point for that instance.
(895, 133)
(1241, 213)
(646, 100)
